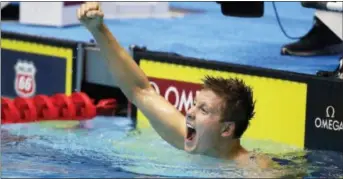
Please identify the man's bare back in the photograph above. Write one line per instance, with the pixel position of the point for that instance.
(6, 137)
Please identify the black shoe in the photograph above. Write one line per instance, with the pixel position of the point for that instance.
(337, 73)
(340, 69)
(320, 40)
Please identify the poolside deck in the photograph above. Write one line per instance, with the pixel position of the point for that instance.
(209, 35)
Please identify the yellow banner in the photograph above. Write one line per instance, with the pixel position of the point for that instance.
(280, 104)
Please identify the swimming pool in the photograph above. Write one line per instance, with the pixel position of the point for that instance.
(112, 149)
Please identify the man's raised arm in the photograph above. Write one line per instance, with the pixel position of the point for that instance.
(164, 117)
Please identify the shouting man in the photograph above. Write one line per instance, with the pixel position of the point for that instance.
(213, 125)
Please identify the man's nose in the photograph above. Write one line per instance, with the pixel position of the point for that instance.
(190, 113)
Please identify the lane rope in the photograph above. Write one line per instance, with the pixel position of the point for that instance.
(78, 106)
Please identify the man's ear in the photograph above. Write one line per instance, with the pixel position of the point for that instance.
(227, 129)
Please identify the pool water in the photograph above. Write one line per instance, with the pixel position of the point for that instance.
(112, 149)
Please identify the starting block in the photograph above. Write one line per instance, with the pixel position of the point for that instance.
(333, 20)
(49, 13)
(62, 14)
(120, 10)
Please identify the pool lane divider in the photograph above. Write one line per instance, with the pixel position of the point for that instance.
(77, 106)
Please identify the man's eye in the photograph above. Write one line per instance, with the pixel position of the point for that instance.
(203, 110)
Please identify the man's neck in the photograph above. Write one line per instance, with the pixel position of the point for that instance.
(234, 150)
(228, 150)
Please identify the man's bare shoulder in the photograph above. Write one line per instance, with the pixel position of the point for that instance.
(263, 161)
(253, 159)
(259, 165)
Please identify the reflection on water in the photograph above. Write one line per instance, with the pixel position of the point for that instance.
(112, 150)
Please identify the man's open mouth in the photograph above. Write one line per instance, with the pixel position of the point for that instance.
(190, 132)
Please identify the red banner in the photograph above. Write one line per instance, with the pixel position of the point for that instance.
(180, 94)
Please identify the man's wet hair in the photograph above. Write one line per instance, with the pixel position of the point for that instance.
(238, 104)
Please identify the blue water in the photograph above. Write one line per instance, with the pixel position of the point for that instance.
(112, 149)
(251, 41)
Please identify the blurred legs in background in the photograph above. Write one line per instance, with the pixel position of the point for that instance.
(325, 37)
(340, 69)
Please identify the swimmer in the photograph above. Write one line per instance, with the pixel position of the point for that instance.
(213, 125)
(84, 124)
(7, 137)
(81, 125)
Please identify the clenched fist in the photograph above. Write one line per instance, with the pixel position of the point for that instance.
(90, 15)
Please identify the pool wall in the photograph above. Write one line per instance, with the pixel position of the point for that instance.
(297, 109)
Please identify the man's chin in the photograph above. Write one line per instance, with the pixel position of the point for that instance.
(191, 151)
(190, 148)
